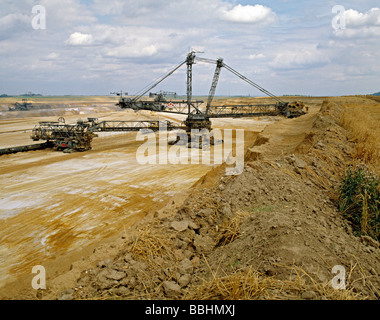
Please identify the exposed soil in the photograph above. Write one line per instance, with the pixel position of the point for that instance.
(278, 218)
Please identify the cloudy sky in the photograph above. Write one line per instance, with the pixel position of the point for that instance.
(93, 47)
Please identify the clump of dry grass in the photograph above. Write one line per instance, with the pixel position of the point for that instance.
(230, 230)
(239, 285)
(249, 284)
(364, 130)
(150, 242)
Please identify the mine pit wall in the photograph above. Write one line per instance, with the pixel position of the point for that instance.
(321, 135)
(322, 138)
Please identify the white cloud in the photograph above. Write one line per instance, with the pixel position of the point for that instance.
(90, 77)
(132, 51)
(14, 23)
(365, 32)
(108, 7)
(79, 39)
(305, 57)
(256, 56)
(66, 14)
(52, 56)
(249, 14)
(13, 19)
(121, 42)
(360, 25)
(354, 18)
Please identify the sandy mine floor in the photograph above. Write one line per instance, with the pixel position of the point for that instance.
(52, 203)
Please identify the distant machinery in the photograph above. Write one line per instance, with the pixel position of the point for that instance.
(78, 136)
(119, 93)
(160, 96)
(25, 105)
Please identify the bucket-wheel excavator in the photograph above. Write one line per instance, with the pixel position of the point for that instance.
(78, 137)
(199, 119)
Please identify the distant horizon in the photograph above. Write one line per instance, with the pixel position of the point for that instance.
(178, 96)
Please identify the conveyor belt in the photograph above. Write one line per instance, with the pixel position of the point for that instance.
(31, 147)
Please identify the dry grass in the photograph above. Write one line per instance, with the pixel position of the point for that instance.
(230, 230)
(364, 130)
(249, 284)
(239, 285)
(149, 242)
(374, 98)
